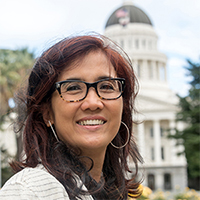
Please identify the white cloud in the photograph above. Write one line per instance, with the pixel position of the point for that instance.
(176, 62)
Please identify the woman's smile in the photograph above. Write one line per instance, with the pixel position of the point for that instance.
(92, 124)
(91, 121)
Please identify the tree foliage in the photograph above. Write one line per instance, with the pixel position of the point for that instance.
(13, 67)
(5, 168)
(189, 113)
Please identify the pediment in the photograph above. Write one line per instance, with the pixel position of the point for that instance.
(146, 104)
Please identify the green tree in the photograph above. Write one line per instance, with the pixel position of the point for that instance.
(13, 68)
(6, 171)
(190, 115)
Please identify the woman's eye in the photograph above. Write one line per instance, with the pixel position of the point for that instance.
(71, 87)
(75, 87)
(107, 86)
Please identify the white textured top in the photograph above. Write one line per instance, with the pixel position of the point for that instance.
(35, 184)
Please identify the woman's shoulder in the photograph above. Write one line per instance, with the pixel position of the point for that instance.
(33, 183)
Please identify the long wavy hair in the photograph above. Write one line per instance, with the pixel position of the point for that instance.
(61, 160)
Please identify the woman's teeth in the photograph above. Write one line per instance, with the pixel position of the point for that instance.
(91, 122)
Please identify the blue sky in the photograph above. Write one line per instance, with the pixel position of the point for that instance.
(37, 24)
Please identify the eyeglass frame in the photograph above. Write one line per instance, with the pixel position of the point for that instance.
(89, 85)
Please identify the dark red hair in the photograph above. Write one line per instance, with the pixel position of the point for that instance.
(40, 146)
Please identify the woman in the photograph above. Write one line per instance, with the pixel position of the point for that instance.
(76, 136)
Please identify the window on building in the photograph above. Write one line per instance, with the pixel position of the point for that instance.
(151, 132)
(137, 44)
(152, 154)
(162, 153)
(151, 181)
(150, 44)
(167, 181)
(144, 43)
(150, 70)
(161, 132)
(138, 70)
(154, 45)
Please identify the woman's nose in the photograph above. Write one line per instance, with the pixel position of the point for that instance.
(92, 101)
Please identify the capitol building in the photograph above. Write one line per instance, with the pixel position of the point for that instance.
(132, 29)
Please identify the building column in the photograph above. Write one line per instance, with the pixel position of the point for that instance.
(159, 180)
(145, 70)
(135, 66)
(154, 69)
(157, 71)
(159, 68)
(164, 64)
(172, 141)
(157, 141)
(141, 139)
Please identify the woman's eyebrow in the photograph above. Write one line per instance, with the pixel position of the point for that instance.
(104, 77)
(77, 79)
(97, 79)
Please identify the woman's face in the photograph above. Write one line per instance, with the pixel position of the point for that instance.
(67, 116)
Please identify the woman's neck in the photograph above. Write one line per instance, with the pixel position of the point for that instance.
(98, 161)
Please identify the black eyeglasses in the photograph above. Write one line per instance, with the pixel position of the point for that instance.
(75, 90)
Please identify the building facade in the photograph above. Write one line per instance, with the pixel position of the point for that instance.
(132, 29)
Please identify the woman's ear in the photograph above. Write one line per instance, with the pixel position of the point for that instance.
(47, 115)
